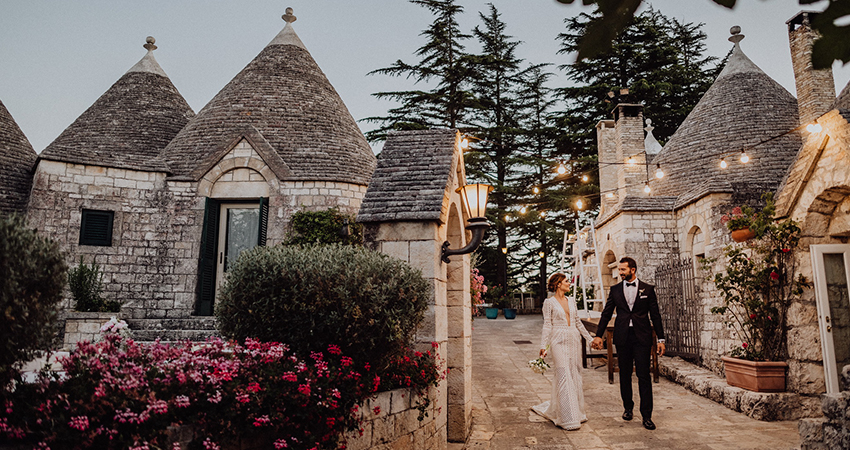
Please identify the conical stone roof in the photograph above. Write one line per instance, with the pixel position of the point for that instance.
(17, 159)
(283, 99)
(743, 107)
(129, 125)
(843, 99)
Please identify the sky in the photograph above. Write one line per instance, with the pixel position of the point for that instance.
(57, 56)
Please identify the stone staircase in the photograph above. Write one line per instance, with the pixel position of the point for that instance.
(196, 329)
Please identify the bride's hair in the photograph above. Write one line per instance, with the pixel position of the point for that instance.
(554, 281)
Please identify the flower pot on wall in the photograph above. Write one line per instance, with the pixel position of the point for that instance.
(756, 376)
(744, 234)
(491, 313)
(510, 313)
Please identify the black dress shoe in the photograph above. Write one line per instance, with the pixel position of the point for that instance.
(647, 423)
(627, 415)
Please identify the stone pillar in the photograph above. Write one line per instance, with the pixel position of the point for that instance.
(815, 88)
(629, 141)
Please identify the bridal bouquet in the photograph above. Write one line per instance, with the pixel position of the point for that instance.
(539, 365)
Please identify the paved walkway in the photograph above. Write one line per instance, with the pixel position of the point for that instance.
(505, 388)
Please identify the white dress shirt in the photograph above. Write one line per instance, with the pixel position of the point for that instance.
(630, 292)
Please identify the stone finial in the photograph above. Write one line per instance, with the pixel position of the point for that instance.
(649, 126)
(149, 41)
(736, 34)
(288, 17)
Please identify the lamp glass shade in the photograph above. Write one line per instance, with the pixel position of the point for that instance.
(475, 198)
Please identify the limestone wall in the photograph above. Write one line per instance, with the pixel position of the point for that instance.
(647, 236)
(391, 421)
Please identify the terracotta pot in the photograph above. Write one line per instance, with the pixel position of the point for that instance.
(744, 234)
(756, 376)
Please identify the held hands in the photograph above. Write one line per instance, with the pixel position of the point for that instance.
(597, 343)
(543, 352)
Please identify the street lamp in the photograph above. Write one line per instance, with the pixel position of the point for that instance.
(474, 198)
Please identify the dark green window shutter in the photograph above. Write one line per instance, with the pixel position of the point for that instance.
(209, 253)
(96, 228)
(264, 222)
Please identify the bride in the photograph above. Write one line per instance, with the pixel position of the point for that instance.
(562, 332)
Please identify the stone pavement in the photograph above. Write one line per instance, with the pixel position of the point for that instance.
(505, 388)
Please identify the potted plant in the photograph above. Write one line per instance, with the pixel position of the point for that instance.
(477, 289)
(757, 286)
(509, 307)
(740, 222)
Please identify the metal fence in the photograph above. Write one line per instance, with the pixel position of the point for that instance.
(680, 309)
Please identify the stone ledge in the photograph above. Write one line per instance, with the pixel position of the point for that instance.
(758, 405)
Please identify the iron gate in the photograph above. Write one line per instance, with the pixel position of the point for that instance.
(680, 309)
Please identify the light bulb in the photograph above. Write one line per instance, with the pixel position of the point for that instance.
(658, 172)
(542, 213)
(584, 178)
(464, 143)
(536, 190)
(630, 161)
(723, 163)
(505, 250)
(744, 157)
(609, 195)
(542, 255)
(561, 169)
(507, 217)
(646, 188)
(814, 128)
(579, 204)
(523, 210)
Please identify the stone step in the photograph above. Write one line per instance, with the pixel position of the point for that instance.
(187, 323)
(173, 335)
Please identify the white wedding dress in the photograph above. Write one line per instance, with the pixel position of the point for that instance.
(566, 408)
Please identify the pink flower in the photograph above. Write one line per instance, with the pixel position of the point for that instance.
(182, 401)
(210, 445)
(304, 389)
(243, 398)
(290, 376)
(158, 407)
(786, 250)
(79, 423)
(254, 387)
(774, 276)
(280, 443)
(737, 211)
(753, 316)
(745, 345)
(334, 350)
(262, 421)
(377, 410)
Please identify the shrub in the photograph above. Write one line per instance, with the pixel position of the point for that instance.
(324, 227)
(32, 275)
(315, 296)
(117, 394)
(86, 285)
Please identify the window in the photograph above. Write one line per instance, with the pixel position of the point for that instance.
(96, 228)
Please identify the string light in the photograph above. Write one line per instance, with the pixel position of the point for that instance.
(542, 255)
(542, 213)
(723, 163)
(579, 204)
(561, 169)
(507, 217)
(584, 178)
(630, 161)
(744, 157)
(814, 128)
(658, 172)
(523, 210)
(464, 143)
(536, 190)
(646, 188)
(609, 195)
(505, 250)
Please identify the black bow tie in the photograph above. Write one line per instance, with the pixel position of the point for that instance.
(632, 284)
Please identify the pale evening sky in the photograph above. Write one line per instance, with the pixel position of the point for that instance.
(57, 57)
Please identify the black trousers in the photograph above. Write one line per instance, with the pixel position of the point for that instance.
(632, 354)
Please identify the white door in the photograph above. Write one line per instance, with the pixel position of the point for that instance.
(238, 231)
(831, 264)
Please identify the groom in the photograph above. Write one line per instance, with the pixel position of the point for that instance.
(636, 304)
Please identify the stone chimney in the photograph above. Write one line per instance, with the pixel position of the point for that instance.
(607, 153)
(815, 88)
(629, 142)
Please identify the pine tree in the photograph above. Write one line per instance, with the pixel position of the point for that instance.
(659, 60)
(444, 64)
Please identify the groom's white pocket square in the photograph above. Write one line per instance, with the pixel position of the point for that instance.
(643, 296)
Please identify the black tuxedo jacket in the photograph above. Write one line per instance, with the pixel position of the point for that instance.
(645, 308)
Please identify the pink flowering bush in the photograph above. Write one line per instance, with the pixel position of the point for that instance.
(477, 289)
(120, 394)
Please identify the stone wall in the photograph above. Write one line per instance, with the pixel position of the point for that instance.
(391, 420)
(832, 431)
(84, 326)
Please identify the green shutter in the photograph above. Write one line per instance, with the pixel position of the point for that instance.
(264, 222)
(209, 253)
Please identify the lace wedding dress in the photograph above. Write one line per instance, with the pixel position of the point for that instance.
(566, 408)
